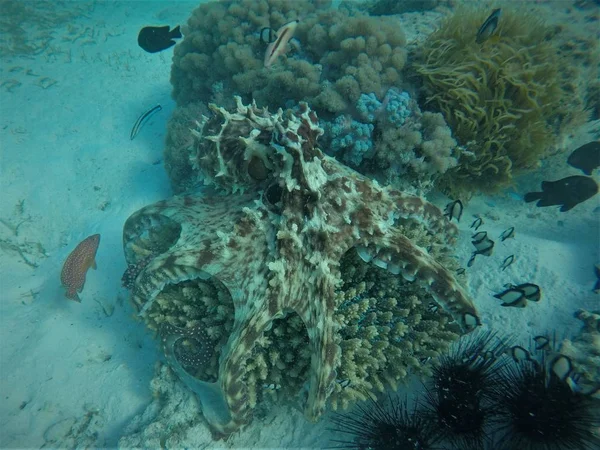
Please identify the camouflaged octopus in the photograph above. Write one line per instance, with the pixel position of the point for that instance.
(271, 224)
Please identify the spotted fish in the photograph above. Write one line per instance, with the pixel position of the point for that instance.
(77, 264)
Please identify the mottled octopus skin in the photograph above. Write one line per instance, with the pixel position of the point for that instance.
(281, 256)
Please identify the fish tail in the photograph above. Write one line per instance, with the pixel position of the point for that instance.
(532, 196)
(567, 206)
(175, 32)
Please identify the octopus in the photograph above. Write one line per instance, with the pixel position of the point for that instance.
(271, 222)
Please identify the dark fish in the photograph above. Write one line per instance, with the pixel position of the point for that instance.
(512, 297)
(477, 223)
(489, 26)
(507, 262)
(532, 291)
(507, 234)
(460, 271)
(567, 192)
(267, 35)
(157, 39)
(586, 158)
(454, 210)
(597, 285)
(472, 259)
(478, 237)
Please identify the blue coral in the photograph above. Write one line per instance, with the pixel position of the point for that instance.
(397, 108)
(352, 139)
(368, 106)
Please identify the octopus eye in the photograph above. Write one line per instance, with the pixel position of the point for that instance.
(257, 169)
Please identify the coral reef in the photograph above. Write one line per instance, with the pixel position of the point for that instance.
(502, 98)
(351, 140)
(396, 144)
(258, 259)
(336, 56)
(346, 64)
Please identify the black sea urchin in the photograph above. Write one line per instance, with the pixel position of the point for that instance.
(459, 398)
(538, 410)
(377, 427)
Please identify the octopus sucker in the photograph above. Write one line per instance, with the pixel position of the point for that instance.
(272, 235)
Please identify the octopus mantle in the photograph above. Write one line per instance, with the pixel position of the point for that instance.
(271, 224)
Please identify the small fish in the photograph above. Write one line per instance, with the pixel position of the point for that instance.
(279, 46)
(477, 223)
(157, 39)
(507, 234)
(507, 262)
(532, 291)
(478, 237)
(141, 120)
(460, 271)
(267, 35)
(586, 158)
(512, 297)
(541, 342)
(485, 248)
(77, 264)
(519, 354)
(567, 192)
(489, 26)
(597, 285)
(472, 259)
(454, 210)
(562, 367)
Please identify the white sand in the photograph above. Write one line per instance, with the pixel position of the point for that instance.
(69, 170)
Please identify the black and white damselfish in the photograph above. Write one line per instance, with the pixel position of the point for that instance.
(454, 210)
(157, 39)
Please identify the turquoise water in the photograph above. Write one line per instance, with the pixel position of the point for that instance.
(255, 241)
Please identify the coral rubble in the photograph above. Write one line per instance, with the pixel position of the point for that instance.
(291, 270)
